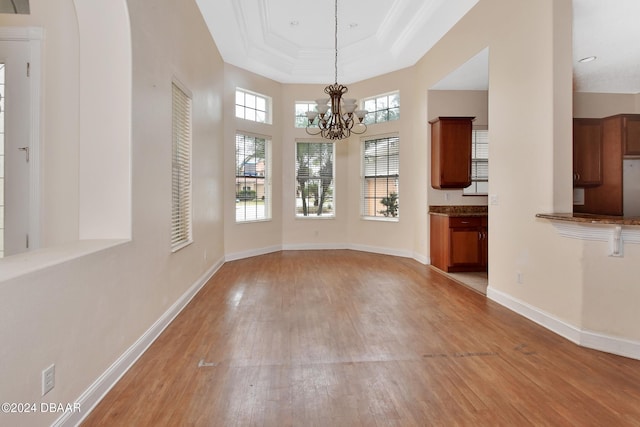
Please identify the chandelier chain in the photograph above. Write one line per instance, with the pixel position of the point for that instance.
(337, 118)
(336, 40)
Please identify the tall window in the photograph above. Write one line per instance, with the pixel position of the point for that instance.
(479, 163)
(382, 108)
(253, 178)
(314, 176)
(181, 176)
(253, 106)
(381, 164)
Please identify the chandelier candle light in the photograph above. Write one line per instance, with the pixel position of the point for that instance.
(340, 122)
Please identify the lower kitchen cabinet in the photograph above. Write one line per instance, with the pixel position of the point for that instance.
(459, 243)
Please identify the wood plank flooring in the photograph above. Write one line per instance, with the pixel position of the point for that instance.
(345, 338)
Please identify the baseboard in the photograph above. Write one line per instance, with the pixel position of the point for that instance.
(314, 246)
(328, 246)
(614, 345)
(381, 250)
(593, 340)
(252, 252)
(94, 394)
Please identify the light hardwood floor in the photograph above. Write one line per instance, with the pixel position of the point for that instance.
(345, 338)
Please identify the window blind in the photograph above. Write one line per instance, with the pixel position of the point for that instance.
(315, 179)
(381, 176)
(479, 163)
(253, 178)
(181, 169)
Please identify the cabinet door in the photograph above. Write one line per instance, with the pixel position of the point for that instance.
(631, 135)
(465, 247)
(451, 152)
(587, 152)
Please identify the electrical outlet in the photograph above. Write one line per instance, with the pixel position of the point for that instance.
(48, 379)
(519, 277)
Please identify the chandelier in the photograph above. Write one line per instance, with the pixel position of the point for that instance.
(336, 117)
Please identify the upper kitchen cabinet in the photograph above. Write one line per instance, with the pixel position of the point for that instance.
(451, 152)
(630, 128)
(587, 152)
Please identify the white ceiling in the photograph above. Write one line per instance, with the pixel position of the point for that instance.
(291, 41)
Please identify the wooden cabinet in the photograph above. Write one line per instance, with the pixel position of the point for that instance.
(587, 152)
(451, 152)
(459, 243)
(631, 134)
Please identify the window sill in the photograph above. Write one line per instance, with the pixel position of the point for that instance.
(40, 259)
(379, 218)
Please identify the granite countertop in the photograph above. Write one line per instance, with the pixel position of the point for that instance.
(460, 210)
(591, 218)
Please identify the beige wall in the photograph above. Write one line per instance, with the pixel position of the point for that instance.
(84, 313)
(598, 105)
(250, 238)
(529, 120)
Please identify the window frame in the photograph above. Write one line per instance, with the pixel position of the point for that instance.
(332, 200)
(266, 176)
(181, 169)
(364, 199)
(267, 109)
(372, 116)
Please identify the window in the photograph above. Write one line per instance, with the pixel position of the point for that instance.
(479, 163)
(382, 108)
(181, 175)
(301, 113)
(381, 163)
(253, 106)
(314, 177)
(253, 178)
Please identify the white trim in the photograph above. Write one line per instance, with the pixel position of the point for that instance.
(589, 339)
(595, 232)
(328, 246)
(610, 344)
(314, 246)
(96, 391)
(384, 251)
(251, 253)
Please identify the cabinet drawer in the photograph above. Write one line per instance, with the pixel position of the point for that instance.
(465, 221)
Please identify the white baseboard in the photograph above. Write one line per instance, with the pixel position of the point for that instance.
(314, 246)
(252, 252)
(328, 246)
(381, 250)
(94, 394)
(593, 340)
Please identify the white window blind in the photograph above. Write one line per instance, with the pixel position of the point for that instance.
(253, 178)
(315, 179)
(381, 176)
(181, 170)
(479, 163)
